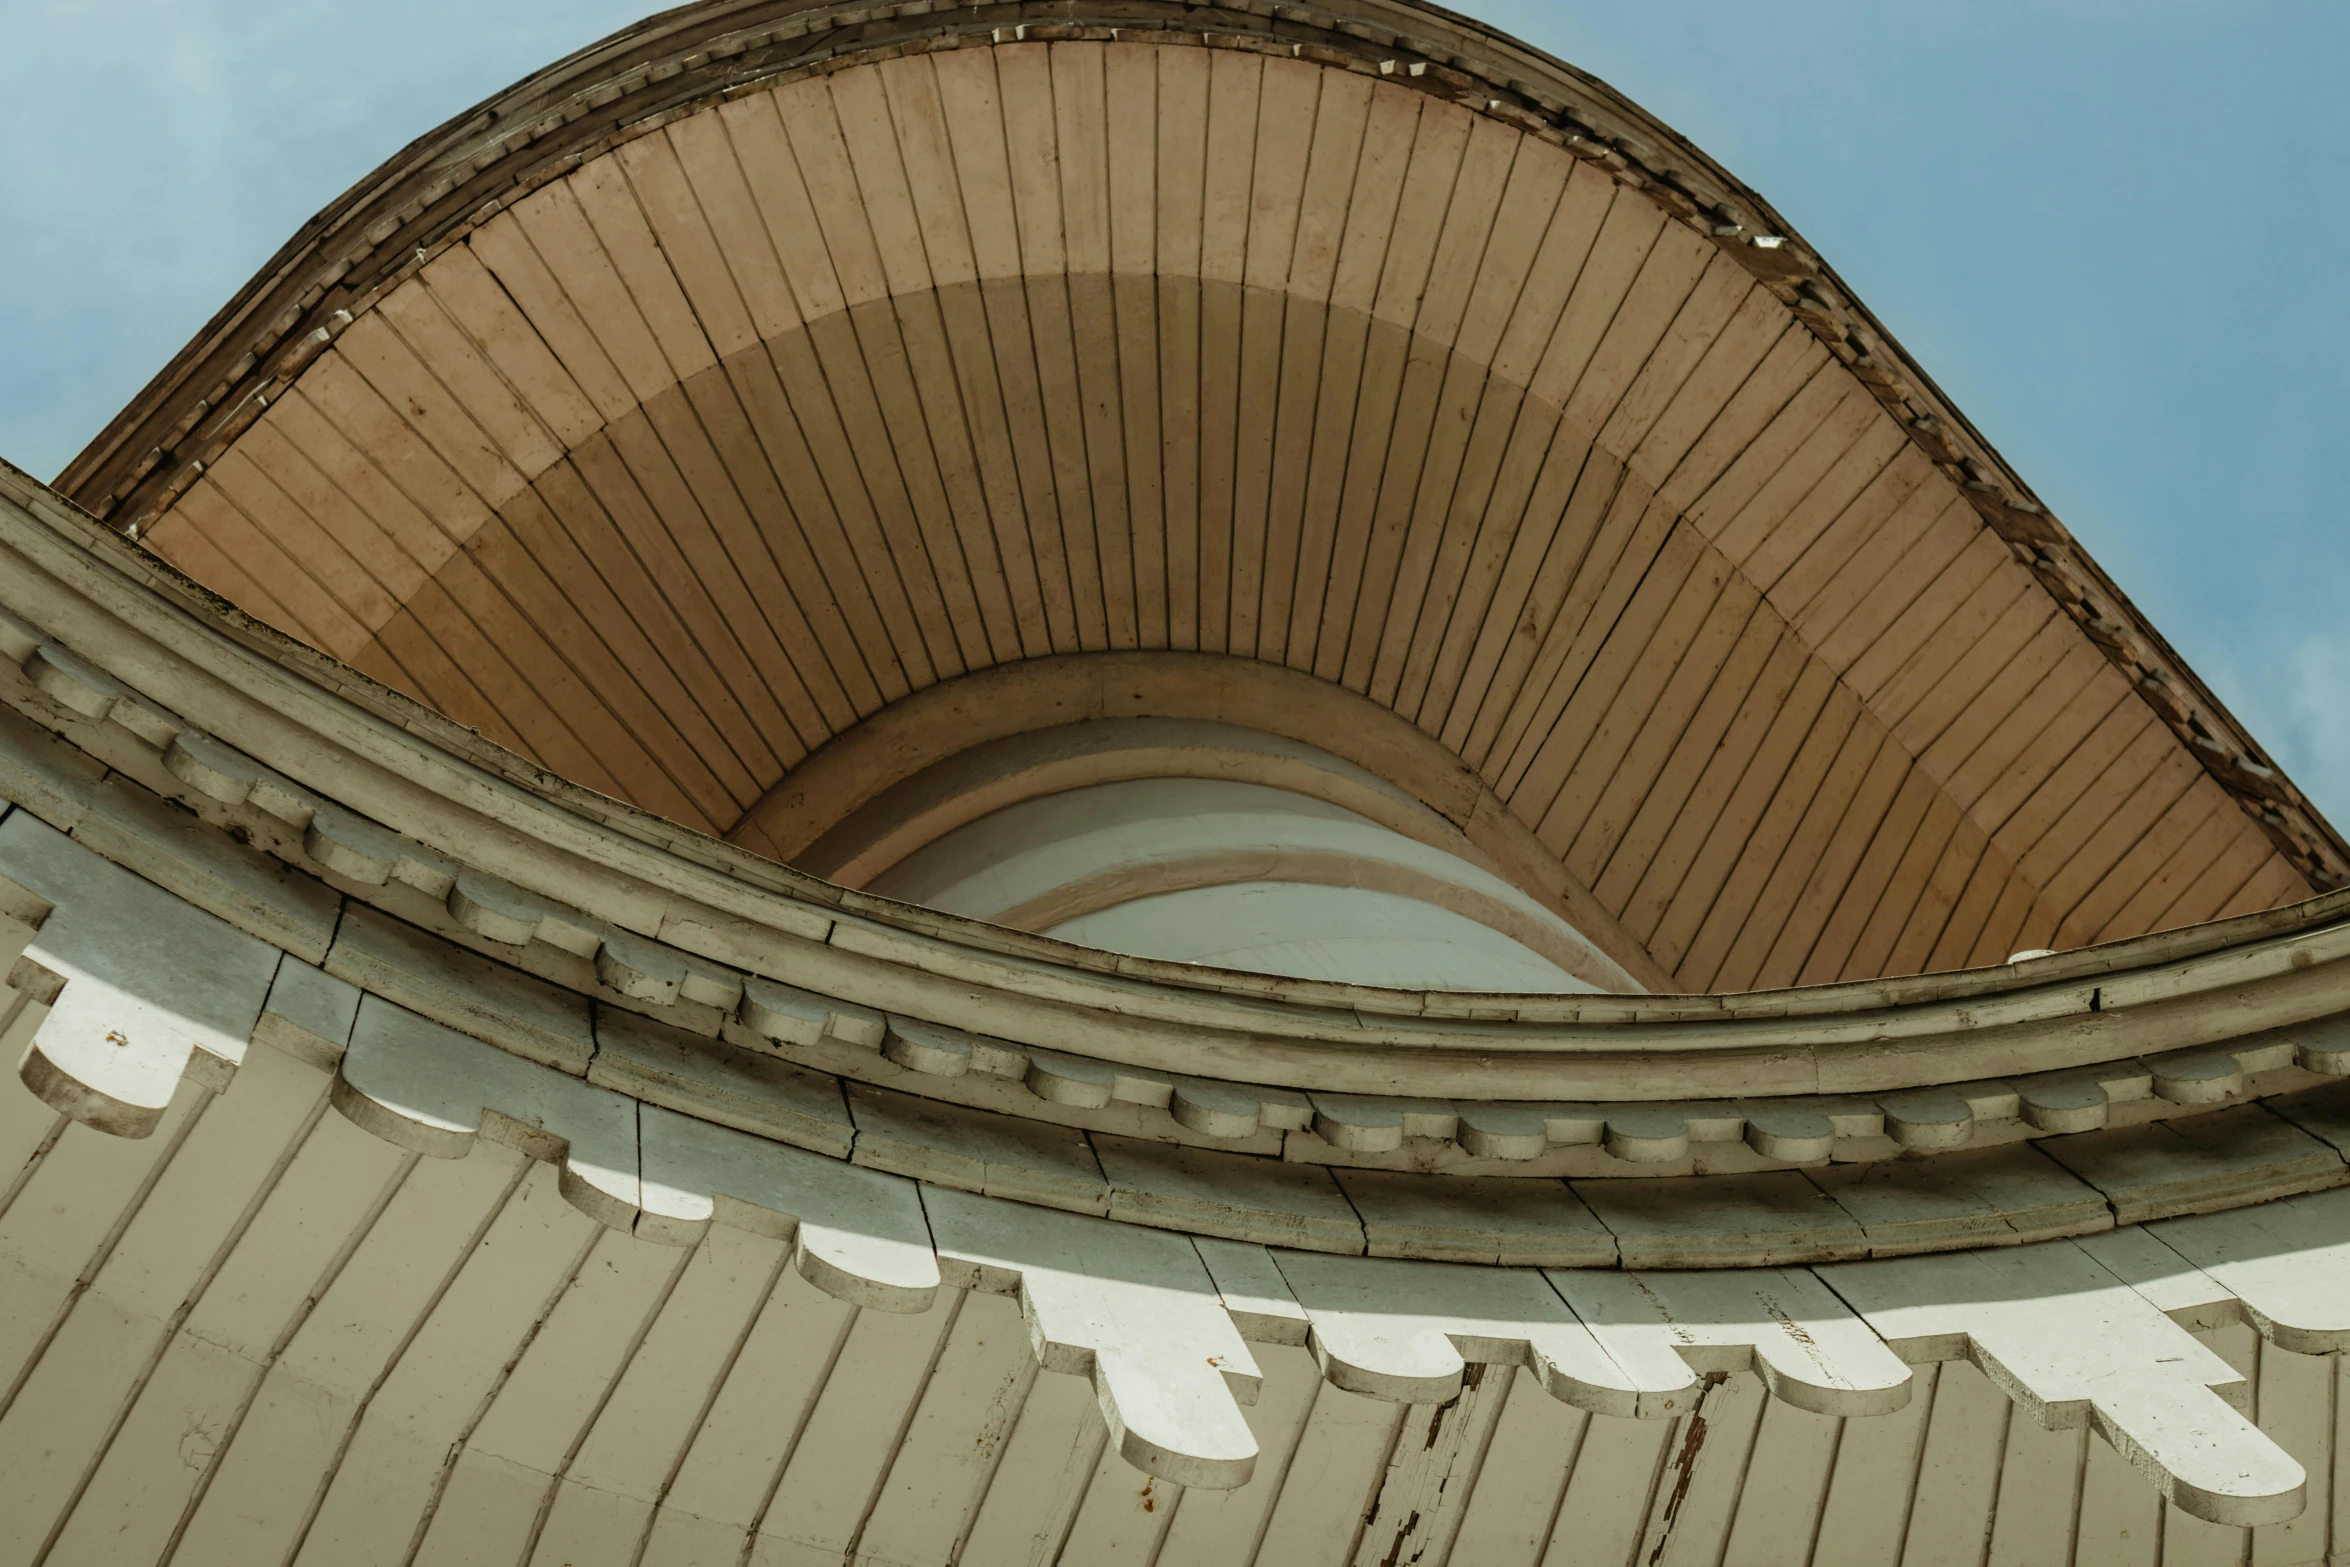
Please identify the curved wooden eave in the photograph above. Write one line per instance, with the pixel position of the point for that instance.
(1923, 420)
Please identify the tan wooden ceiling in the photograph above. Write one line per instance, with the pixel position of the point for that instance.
(695, 457)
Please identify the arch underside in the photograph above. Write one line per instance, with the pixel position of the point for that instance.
(464, 1235)
(689, 463)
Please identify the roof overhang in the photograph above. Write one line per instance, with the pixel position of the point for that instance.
(1684, 447)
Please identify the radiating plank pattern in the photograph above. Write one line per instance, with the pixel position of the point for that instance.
(690, 460)
(262, 1335)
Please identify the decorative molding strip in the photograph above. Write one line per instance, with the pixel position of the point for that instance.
(1077, 1132)
(2221, 1022)
(2096, 1332)
(416, 911)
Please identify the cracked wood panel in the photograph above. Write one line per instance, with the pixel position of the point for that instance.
(695, 458)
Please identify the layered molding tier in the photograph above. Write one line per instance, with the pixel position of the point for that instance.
(316, 768)
(1159, 1312)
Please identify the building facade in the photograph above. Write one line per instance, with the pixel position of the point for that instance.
(1120, 782)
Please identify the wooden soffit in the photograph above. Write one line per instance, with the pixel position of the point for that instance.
(707, 395)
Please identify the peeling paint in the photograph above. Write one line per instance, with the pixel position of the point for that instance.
(1685, 1461)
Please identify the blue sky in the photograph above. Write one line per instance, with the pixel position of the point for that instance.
(2110, 229)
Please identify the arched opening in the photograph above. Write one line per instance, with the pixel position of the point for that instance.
(1246, 875)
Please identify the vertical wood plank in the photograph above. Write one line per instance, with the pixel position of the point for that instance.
(1037, 1487)
(113, 1329)
(1233, 85)
(751, 1428)
(1780, 1505)
(1131, 82)
(1278, 349)
(1081, 117)
(1697, 1495)
(1182, 175)
(1958, 1473)
(2121, 1515)
(1872, 1488)
(834, 1473)
(1508, 1519)
(381, 1495)
(1221, 1528)
(1437, 1461)
(151, 1473)
(1570, 519)
(1709, 733)
(479, 307)
(643, 1430)
(957, 1435)
(503, 1473)
(2295, 1398)
(265, 1487)
(1124, 1516)
(1332, 1478)
(2039, 1495)
(1351, 196)
(1618, 1467)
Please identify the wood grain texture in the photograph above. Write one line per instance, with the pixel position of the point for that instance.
(694, 459)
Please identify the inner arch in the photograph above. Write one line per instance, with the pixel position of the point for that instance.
(1248, 876)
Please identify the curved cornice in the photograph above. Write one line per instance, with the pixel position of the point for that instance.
(434, 191)
(316, 765)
